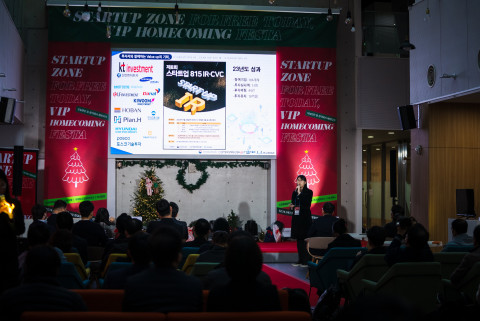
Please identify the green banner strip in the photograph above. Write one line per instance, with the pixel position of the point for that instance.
(313, 114)
(316, 199)
(28, 174)
(89, 112)
(77, 199)
(195, 27)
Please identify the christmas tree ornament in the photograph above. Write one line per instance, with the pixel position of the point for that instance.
(306, 168)
(75, 173)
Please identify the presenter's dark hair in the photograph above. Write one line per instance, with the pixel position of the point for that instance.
(175, 209)
(303, 178)
(64, 221)
(163, 207)
(59, 204)
(85, 208)
(460, 226)
(328, 208)
(376, 235)
(165, 245)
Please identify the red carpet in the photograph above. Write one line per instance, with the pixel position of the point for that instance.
(282, 280)
(282, 247)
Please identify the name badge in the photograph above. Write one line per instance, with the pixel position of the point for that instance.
(296, 210)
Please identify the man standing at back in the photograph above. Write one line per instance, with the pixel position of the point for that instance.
(163, 288)
(164, 211)
(90, 231)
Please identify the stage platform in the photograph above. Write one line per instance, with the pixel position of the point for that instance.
(283, 252)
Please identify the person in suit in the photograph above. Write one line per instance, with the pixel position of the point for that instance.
(243, 263)
(376, 237)
(217, 253)
(40, 290)
(140, 256)
(183, 224)
(468, 260)
(416, 246)
(322, 226)
(164, 211)
(301, 219)
(163, 288)
(342, 238)
(85, 228)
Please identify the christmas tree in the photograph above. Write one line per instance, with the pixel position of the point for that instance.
(144, 204)
(306, 168)
(75, 172)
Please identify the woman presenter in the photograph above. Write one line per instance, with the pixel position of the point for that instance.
(302, 217)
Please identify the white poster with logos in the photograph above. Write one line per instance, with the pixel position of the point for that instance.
(192, 103)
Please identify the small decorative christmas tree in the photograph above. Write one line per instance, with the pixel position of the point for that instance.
(144, 204)
(306, 168)
(234, 221)
(75, 172)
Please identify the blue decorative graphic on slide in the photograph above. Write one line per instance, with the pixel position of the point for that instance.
(114, 150)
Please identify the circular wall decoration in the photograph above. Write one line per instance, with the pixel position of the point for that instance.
(431, 75)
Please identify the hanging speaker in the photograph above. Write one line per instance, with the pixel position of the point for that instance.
(407, 117)
(17, 170)
(465, 202)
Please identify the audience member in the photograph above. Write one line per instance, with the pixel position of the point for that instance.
(342, 239)
(103, 219)
(9, 255)
(40, 290)
(125, 229)
(243, 262)
(140, 257)
(183, 224)
(63, 240)
(39, 213)
(376, 238)
(217, 253)
(58, 207)
(391, 228)
(164, 211)
(220, 224)
(38, 234)
(64, 221)
(322, 226)
(200, 232)
(17, 222)
(90, 231)
(163, 288)
(468, 260)
(416, 249)
(459, 233)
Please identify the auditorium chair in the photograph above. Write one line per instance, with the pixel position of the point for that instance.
(114, 257)
(457, 248)
(94, 316)
(69, 278)
(83, 271)
(113, 267)
(448, 261)
(466, 290)
(415, 282)
(370, 267)
(189, 262)
(324, 273)
(186, 251)
(317, 243)
(201, 269)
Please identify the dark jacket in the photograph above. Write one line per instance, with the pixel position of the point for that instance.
(118, 278)
(465, 265)
(118, 245)
(322, 226)
(197, 242)
(219, 277)
(396, 253)
(215, 255)
(344, 240)
(184, 228)
(377, 250)
(301, 223)
(44, 294)
(162, 290)
(154, 225)
(91, 232)
(391, 229)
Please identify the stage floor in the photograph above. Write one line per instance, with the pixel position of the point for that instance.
(283, 252)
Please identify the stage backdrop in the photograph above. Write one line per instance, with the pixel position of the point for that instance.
(306, 126)
(76, 130)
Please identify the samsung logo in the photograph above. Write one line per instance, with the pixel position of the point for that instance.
(144, 79)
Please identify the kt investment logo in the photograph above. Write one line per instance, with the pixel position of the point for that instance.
(125, 70)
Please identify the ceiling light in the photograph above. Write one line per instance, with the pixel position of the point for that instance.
(85, 13)
(66, 11)
(369, 136)
(329, 13)
(377, 148)
(391, 133)
(364, 150)
(353, 28)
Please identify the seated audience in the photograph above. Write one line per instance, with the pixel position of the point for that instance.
(217, 253)
(243, 262)
(63, 240)
(220, 224)
(64, 221)
(58, 207)
(102, 218)
(90, 231)
(164, 211)
(40, 290)
(468, 260)
(39, 213)
(322, 226)
(391, 228)
(459, 233)
(163, 288)
(376, 238)
(183, 224)
(416, 246)
(342, 239)
(200, 232)
(140, 256)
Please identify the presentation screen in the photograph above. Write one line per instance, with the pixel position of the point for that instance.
(180, 104)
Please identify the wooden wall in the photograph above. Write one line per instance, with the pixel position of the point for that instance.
(453, 161)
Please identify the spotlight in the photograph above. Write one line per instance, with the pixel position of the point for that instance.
(177, 18)
(109, 32)
(86, 13)
(66, 11)
(99, 9)
(353, 28)
(329, 15)
(271, 2)
(348, 19)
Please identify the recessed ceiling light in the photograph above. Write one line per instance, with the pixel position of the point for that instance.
(364, 150)
(364, 162)
(393, 147)
(369, 136)
(377, 148)
(391, 133)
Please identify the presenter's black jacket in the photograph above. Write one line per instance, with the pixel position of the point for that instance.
(301, 223)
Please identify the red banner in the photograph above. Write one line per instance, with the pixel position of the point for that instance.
(29, 180)
(76, 131)
(307, 125)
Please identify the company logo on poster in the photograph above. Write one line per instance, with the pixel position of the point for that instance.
(143, 102)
